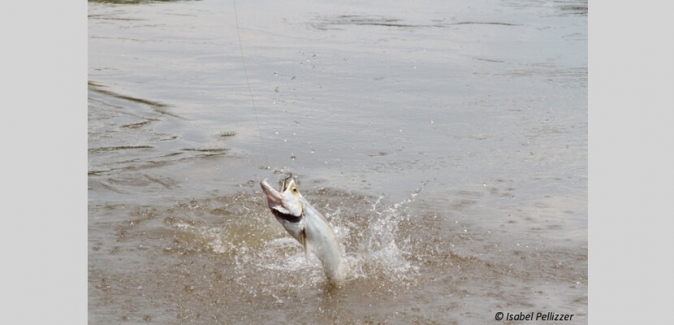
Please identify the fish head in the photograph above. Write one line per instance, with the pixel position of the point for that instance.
(285, 204)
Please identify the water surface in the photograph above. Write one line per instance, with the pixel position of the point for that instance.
(446, 143)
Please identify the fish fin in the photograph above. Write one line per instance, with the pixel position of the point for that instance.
(303, 236)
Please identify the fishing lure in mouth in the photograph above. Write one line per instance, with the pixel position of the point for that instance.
(308, 226)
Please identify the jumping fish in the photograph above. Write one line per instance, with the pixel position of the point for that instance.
(308, 226)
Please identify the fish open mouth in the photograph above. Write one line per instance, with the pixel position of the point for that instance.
(275, 202)
(285, 216)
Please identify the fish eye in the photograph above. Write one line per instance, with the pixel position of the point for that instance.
(294, 189)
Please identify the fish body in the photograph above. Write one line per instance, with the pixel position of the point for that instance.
(302, 221)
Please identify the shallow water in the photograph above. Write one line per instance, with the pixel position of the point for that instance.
(446, 143)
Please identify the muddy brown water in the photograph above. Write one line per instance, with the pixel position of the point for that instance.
(445, 142)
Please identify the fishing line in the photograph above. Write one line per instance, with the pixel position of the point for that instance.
(250, 92)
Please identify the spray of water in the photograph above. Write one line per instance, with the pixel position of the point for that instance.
(261, 250)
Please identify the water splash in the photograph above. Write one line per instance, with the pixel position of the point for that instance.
(382, 253)
(262, 251)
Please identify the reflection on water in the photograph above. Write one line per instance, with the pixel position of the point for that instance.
(445, 143)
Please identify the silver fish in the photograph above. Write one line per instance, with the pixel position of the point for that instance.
(308, 226)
